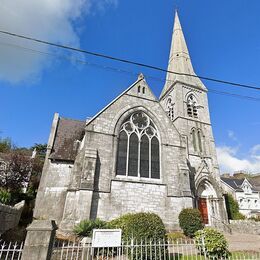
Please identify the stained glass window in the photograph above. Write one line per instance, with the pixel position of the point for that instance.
(138, 148)
(122, 153)
(155, 159)
(133, 155)
(144, 157)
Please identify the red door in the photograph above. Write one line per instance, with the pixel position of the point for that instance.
(203, 210)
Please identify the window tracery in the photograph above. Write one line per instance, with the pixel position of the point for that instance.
(138, 148)
(192, 110)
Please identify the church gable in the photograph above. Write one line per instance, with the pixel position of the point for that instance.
(141, 90)
(136, 119)
(138, 97)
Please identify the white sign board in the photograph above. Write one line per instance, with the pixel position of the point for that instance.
(106, 237)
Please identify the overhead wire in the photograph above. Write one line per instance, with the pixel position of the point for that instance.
(119, 70)
(127, 61)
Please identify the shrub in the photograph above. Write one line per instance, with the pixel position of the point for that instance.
(85, 227)
(212, 243)
(255, 218)
(233, 208)
(190, 221)
(174, 236)
(239, 216)
(142, 227)
(5, 196)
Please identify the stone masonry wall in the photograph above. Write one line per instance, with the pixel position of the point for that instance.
(131, 197)
(245, 226)
(51, 198)
(10, 216)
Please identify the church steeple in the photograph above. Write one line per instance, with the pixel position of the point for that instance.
(179, 61)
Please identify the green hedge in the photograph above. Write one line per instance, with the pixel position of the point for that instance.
(142, 227)
(212, 243)
(190, 221)
(233, 208)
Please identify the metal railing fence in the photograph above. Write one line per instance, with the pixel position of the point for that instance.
(181, 249)
(10, 251)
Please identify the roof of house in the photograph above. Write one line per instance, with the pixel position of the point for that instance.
(65, 145)
(237, 183)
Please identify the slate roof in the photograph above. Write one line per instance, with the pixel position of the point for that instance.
(68, 132)
(233, 183)
(236, 184)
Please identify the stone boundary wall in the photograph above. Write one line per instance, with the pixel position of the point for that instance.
(245, 226)
(10, 216)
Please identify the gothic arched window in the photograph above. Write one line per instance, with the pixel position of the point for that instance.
(192, 106)
(200, 140)
(197, 138)
(194, 139)
(170, 110)
(138, 148)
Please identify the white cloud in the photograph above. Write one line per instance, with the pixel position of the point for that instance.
(230, 162)
(50, 20)
(231, 135)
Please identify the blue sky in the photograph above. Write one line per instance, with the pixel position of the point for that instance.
(223, 38)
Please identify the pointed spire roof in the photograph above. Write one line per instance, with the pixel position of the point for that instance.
(179, 60)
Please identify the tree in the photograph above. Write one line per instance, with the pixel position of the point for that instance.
(19, 167)
(15, 175)
(41, 149)
(5, 145)
(232, 208)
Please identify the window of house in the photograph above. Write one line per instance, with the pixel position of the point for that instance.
(138, 148)
(192, 110)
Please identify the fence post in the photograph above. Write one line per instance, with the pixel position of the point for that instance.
(39, 240)
(203, 247)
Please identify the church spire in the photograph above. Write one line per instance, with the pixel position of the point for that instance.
(179, 60)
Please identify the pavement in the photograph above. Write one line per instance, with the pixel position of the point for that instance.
(243, 242)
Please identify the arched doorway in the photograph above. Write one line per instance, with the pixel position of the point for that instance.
(207, 202)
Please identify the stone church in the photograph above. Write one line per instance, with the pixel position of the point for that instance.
(139, 154)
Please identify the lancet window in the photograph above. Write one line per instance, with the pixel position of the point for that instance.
(170, 109)
(197, 139)
(192, 110)
(138, 148)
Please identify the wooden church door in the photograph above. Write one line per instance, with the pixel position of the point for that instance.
(203, 210)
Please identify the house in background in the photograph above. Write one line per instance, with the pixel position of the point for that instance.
(245, 192)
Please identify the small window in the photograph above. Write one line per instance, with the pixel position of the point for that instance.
(139, 89)
(170, 109)
(197, 140)
(192, 108)
(194, 139)
(143, 90)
